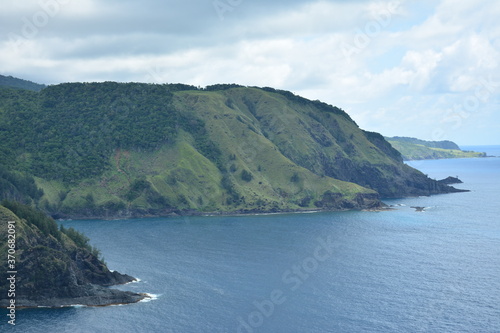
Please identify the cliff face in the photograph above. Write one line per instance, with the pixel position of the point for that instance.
(54, 272)
(109, 149)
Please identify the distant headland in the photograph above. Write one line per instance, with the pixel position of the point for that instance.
(110, 150)
(416, 149)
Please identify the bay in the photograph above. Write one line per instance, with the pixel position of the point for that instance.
(391, 271)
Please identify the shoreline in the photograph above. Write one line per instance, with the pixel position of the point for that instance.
(189, 213)
(450, 158)
(142, 297)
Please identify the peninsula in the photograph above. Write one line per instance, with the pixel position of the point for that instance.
(106, 150)
(416, 149)
(59, 268)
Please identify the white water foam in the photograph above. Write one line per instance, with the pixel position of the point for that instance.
(149, 297)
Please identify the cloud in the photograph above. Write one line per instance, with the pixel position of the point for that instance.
(393, 65)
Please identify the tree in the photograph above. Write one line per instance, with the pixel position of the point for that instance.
(246, 176)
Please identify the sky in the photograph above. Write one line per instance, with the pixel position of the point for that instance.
(419, 68)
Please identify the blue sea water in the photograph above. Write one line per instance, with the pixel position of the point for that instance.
(391, 271)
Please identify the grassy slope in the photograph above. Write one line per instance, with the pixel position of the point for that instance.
(188, 180)
(324, 142)
(412, 151)
(230, 150)
(240, 134)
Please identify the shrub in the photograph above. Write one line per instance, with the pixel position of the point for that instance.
(246, 176)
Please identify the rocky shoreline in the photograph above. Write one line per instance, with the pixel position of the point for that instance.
(89, 294)
(331, 203)
(92, 295)
(57, 267)
(152, 213)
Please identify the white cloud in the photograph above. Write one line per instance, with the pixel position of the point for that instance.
(407, 71)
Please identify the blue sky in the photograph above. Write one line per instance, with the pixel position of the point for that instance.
(427, 69)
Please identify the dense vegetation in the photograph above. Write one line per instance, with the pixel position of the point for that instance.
(108, 149)
(75, 127)
(47, 225)
(18, 186)
(58, 266)
(34, 217)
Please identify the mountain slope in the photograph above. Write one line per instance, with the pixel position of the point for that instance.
(108, 149)
(55, 267)
(12, 82)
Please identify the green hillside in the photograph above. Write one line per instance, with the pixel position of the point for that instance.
(58, 266)
(415, 149)
(112, 149)
(445, 144)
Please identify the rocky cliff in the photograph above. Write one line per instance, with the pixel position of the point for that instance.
(51, 269)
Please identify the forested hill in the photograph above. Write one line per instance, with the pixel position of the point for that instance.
(115, 149)
(12, 82)
(58, 265)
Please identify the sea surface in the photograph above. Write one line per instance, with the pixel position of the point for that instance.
(391, 271)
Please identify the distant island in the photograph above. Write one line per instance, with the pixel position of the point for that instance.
(13, 82)
(57, 266)
(416, 149)
(107, 150)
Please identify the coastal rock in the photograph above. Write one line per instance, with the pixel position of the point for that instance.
(86, 295)
(450, 180)
(54, 268)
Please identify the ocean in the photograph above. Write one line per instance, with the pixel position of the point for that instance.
(391, 271)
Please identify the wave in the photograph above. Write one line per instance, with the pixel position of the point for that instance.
(149, 297)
